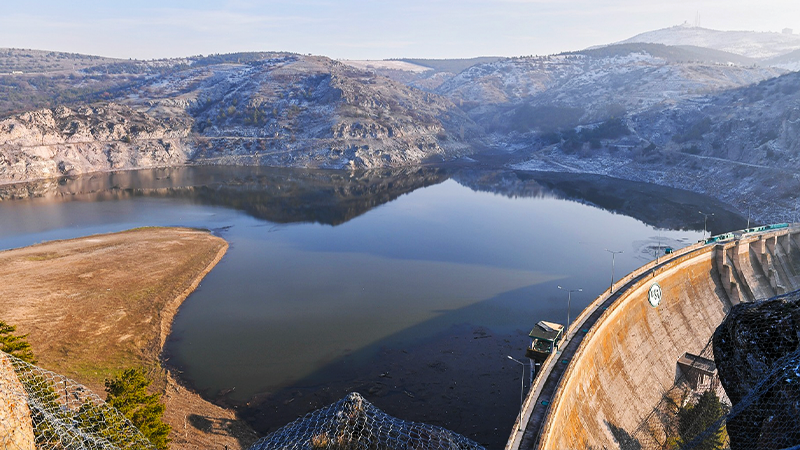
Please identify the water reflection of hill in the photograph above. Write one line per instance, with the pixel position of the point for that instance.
(658, 206)
(333, 197)
(276, 194)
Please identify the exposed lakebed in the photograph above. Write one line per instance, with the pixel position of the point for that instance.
(410, 286)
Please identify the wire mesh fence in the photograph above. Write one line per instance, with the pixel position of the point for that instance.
(742, 391)
(355, 424)
(43, 410)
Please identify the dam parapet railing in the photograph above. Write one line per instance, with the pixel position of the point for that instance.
(537, 416)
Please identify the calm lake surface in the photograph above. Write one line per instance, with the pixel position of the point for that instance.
(410, 286)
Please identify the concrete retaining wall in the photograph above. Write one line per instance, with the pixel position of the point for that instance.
(628, 360)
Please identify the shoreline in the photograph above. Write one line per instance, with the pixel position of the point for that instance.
(95, 305)
(171, 308)
(177, 392)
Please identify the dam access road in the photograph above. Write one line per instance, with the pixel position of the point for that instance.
(620, 355)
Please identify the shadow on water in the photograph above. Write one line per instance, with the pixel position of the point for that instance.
(458, 376)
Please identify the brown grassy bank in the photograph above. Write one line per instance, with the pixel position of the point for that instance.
(96, 305)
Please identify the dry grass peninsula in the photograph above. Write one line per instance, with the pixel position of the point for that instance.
(96, 305)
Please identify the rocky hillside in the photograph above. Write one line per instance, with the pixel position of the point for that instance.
(740, 146)
(685, 116)
(258, 108)
(304, 111)
(561, 91)
(757, 125)
(63, 141)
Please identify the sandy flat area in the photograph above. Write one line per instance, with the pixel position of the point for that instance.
(96, 305)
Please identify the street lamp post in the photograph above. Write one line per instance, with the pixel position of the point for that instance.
(658, 250)
(613, 257)
(748, 214)
(569, 299)
(705, 222)
(521, 390)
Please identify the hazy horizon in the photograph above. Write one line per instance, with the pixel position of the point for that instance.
(356, 29)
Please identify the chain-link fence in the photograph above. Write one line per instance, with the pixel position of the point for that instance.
(355, 424)
(42, 410)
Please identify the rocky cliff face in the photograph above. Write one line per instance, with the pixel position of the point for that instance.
(62, 141)
(16, 426)
(303, 111)
(758, 358)
(274, 109)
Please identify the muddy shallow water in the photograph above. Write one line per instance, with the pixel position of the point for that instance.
(411, 287)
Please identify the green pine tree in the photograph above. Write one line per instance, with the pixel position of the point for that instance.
(695, 419)
(128, 394)
(15, 345)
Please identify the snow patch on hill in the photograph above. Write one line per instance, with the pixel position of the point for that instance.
(391, 65)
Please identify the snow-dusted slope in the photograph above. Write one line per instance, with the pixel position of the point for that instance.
(759, 45)
(590, 86)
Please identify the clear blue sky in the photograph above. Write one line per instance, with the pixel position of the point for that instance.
(364, 29)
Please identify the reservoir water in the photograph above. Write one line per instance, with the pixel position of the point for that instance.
(410, 286)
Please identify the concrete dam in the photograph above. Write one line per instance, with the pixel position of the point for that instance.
(626, 351)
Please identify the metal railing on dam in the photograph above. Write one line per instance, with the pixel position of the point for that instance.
(621, 354)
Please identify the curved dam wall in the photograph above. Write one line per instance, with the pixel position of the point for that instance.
(628, 360)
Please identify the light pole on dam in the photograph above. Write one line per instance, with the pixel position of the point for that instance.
(569, 298)
(705, 221)
(521, 388)
(613, 257)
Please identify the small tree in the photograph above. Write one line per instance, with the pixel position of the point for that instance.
(15, 345)
(694, 420)
(128, 394)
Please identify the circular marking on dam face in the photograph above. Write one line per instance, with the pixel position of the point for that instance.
(654, 295)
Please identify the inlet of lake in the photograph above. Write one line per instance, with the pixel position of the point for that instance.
(410, 286)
